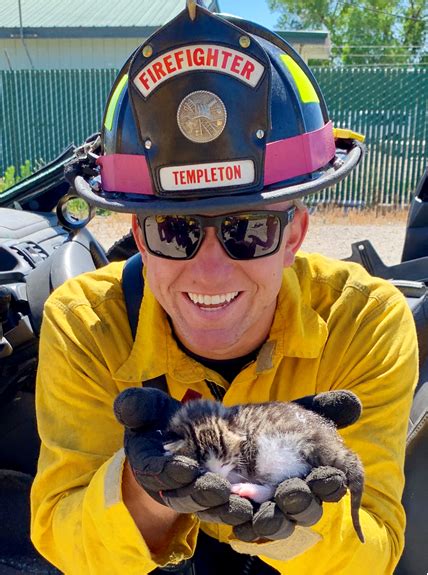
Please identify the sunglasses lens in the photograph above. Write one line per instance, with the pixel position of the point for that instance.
(249, 236)
(175, 237)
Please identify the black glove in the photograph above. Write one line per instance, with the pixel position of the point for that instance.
(296, 502)
(173, 480)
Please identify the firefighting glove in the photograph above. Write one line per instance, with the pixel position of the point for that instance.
(299, 501)
(173, 480)
(296, 502)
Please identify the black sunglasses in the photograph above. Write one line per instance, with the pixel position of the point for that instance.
(244, 236)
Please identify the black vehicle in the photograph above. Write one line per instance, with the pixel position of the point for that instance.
(41, 246)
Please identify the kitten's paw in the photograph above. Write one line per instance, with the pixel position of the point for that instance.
(253, 491)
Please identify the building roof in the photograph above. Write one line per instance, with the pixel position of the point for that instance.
(118, 19)
(56, 18)
(304, 36)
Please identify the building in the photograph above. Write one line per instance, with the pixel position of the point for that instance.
(60, 34)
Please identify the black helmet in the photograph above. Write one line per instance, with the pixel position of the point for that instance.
(211, 114)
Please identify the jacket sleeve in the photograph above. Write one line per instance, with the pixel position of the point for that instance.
(376, 356)
(79, 520)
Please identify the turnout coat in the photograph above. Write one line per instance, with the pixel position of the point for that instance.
(335, 327)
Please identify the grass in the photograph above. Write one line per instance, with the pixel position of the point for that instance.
(380, 215)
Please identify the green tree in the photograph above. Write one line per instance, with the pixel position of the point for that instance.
(366, 32)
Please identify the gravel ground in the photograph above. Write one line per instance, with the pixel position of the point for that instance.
(330, 234)
(335, 240)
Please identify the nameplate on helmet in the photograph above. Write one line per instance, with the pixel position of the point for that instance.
(213, 175)
(198, 57)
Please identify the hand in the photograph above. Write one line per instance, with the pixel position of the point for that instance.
(173, 480)
(176, 481)
(341, 406)
(296, 502)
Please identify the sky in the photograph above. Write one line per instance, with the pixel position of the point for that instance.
(256, 10)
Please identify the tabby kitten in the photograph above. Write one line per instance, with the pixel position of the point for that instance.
(257, 446)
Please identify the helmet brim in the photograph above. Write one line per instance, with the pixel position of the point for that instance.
(125, 203)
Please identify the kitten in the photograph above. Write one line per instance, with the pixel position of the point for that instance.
(257, 446)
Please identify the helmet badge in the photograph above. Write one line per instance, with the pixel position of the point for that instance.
(201, 116)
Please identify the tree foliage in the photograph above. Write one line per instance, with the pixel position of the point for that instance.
(365, 32)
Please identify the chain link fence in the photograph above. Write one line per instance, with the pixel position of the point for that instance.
(43, 111)
(390, 107)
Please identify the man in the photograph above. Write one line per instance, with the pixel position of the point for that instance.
(213, 130)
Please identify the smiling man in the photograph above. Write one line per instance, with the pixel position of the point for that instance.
(213, 131)
(193, 292)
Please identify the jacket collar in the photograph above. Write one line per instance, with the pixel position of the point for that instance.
(297, 329)
(155, 351)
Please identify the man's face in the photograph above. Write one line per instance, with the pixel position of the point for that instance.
(221, 308)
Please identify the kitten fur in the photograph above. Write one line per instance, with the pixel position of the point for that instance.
(257, 446)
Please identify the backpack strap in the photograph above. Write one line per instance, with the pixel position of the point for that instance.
(133, 288)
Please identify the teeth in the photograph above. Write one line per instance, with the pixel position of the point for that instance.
(212, 299)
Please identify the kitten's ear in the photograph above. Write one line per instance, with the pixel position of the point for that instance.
(342, 407)
(177, 446)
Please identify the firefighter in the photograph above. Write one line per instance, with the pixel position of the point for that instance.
(213, 132)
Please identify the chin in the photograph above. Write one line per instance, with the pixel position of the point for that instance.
(215, 346)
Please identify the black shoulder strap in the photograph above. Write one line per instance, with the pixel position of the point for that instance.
(133, 288)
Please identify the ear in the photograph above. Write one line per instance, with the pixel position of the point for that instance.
(295, 234)
(138, 237)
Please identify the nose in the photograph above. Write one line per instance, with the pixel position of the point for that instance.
(211, 246)
(211, 258)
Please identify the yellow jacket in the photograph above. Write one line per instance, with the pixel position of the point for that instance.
(335, 327)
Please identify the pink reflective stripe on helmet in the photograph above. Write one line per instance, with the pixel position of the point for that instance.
(128, 173)
(300, 155)
(284, 159)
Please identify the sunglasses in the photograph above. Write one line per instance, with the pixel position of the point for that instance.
(244, 236)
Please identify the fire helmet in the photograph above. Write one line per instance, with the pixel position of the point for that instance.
(215, 114)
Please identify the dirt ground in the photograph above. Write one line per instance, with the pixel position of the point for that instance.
(331, 232)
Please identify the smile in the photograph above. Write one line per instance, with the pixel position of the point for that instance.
(212, 300)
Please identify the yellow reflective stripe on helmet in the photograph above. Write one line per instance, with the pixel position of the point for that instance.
(304, 85)
(108, 122)
(346, 134)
